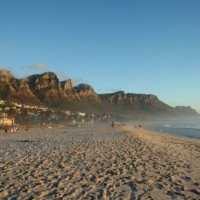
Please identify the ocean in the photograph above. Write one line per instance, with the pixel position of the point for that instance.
(189, 129)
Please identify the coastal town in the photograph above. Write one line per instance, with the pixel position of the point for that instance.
(12, 114)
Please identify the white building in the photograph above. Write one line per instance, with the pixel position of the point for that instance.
(81, 114)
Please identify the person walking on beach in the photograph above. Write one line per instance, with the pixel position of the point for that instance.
(43, 126)
(26, 129)
(113, 123)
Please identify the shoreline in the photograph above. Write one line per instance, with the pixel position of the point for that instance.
(163, 133)
(168, 132)
(160, 128)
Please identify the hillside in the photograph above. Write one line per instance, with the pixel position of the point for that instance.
(46, 89)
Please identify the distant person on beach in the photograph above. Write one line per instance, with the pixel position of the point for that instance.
(6, 129)
(43, 126)
(135, 126)
(113, 124)
(11, 129)
(26, 129)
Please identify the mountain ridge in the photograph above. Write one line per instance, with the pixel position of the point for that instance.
(46, 89)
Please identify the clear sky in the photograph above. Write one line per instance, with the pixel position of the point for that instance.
(139, 46)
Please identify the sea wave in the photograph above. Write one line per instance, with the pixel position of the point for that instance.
(183, 131)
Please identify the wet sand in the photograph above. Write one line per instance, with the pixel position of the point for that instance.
(98, 163)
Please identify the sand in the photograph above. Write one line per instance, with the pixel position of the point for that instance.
(98, 162)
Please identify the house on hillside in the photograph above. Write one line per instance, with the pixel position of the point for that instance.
(81, 114)
(4, 120)
(2, 102)
(67, 112)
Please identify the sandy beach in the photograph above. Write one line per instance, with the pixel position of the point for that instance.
(98, 162)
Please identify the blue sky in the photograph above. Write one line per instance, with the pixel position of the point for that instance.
(143, 46)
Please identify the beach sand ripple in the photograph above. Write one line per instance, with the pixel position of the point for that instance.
(98, 163)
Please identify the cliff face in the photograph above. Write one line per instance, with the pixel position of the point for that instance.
(7, 81)
(44, 88)
(15, 89)
(87, 94)
(69, 91)
(47, 89)
(185, 109)
(129, 98)
(139, 103)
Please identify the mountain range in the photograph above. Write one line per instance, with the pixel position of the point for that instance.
(46, 89)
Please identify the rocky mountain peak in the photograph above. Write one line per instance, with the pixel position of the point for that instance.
(87, 93)
(67, 85)
(42, 81)
(47, 89)
(5, 73)
(15, 89)
(84, 87)
(187, 109)
(5, 76)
